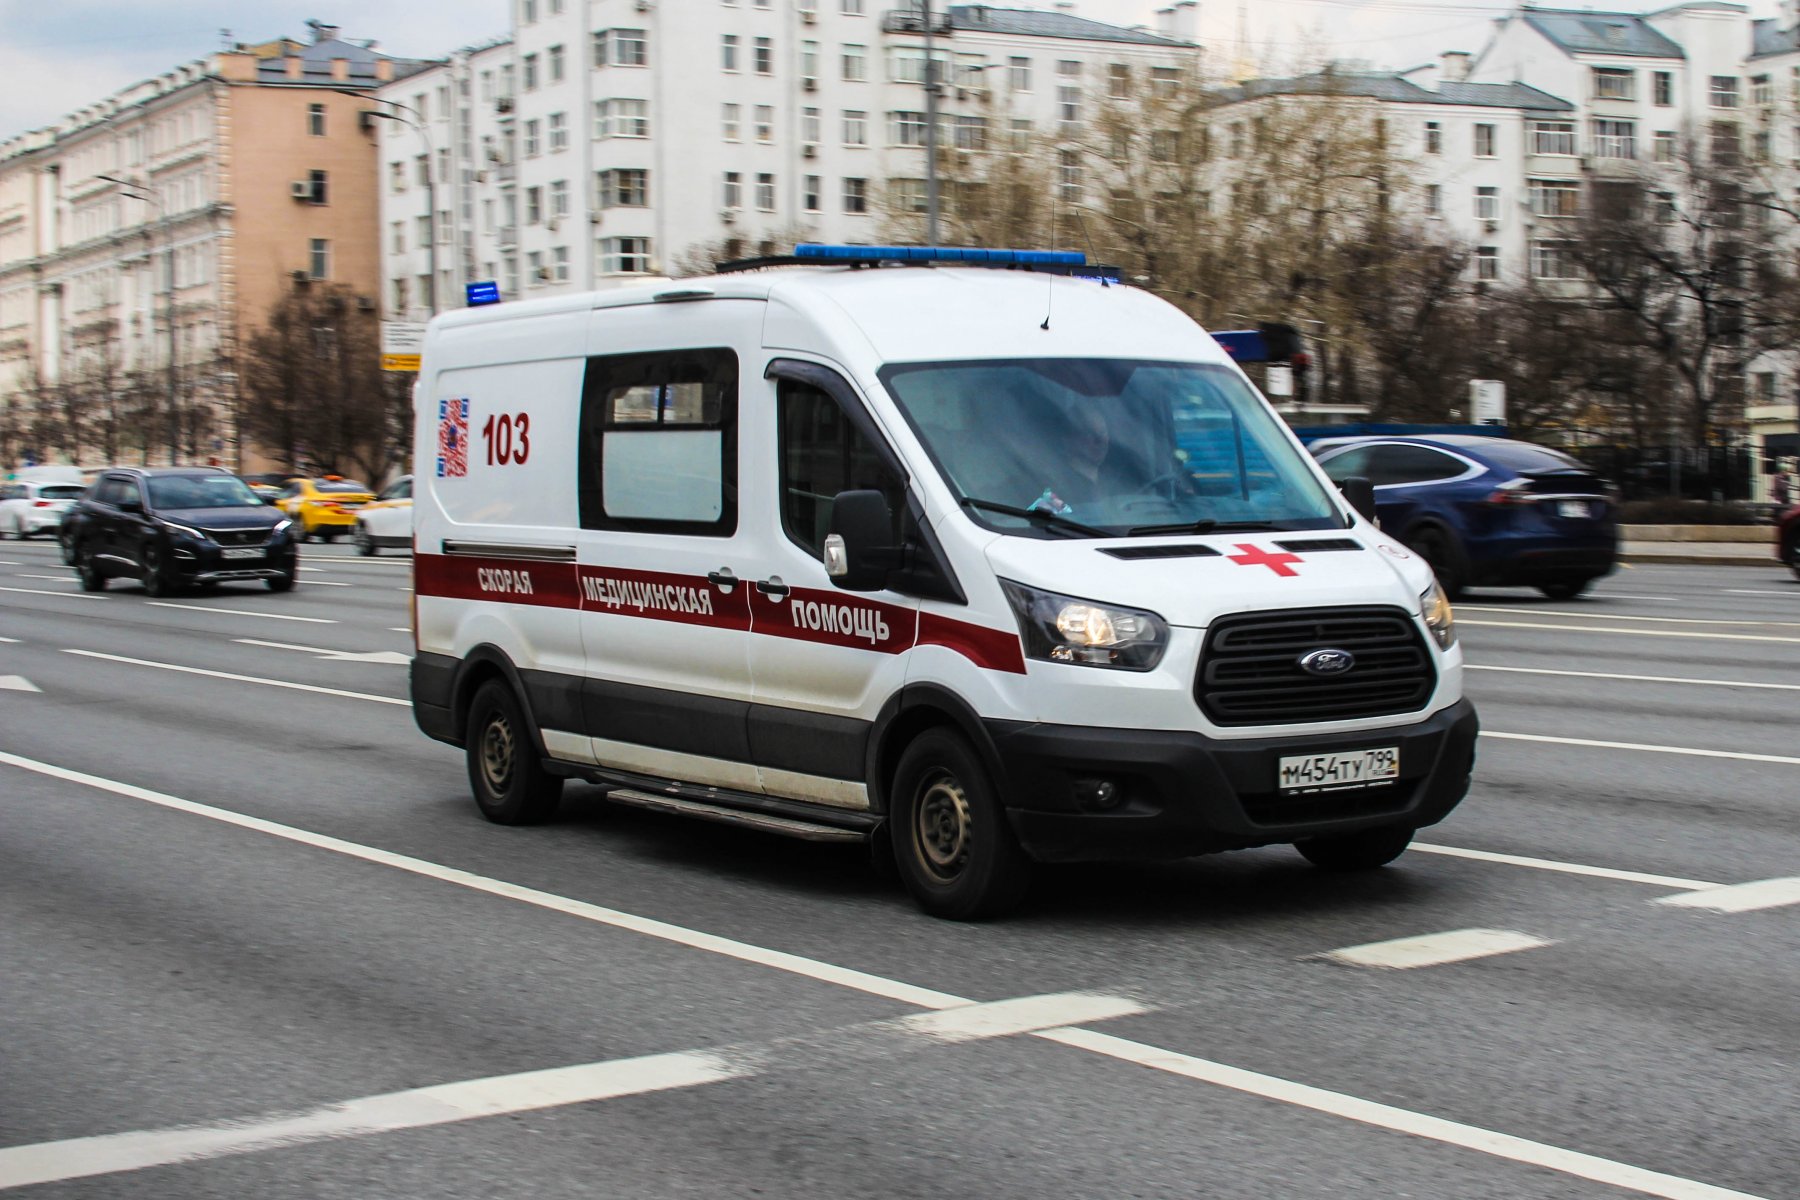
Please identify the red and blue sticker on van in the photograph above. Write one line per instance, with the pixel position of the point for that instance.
(453, 439)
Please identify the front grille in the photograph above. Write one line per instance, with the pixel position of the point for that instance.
(1250, 670)
(1182, 550)
(238, 537)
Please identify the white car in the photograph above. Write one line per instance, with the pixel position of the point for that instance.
(385, 521)
(30, 508)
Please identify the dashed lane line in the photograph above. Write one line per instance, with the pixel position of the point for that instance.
(1668, 633)
(1354, 1108)
(1435, 949)
(280, 683)
(59, 595)
(10, 641)
(1566, 868)
(1740, 897)
(1752, 592)
(1581, 616)
(557, 1087)
(1737, 683)
(68, 579)
(1738, 755)
(241, 612)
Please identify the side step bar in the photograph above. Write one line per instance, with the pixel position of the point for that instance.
(808, 831)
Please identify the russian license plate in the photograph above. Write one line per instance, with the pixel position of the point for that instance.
(1335, 772)
(241, 552)
(1573, 508)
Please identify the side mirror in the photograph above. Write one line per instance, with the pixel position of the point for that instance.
(858, 553)
(132, 506)
(1361, 494)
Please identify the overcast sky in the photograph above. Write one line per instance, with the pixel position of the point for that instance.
(56, 55)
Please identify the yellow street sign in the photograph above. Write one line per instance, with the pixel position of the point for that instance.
(400, 362)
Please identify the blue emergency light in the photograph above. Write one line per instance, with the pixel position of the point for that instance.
(1243, 345)
(824, 252)
(485, 292)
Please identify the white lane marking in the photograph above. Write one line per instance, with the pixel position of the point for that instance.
(324, 583)
(69, 579)
(1368, 1112)
(1786, 687)
(1740, 897)
(383, 657)
(10, 641)
(280, 683)
(1629, 596)
(1739, 755)
(240, 612)
(17, 683)
(529, 1091)
(399, 629)
(1582, 616)
(309, 568)
(59, 595)
(1672, 633)
(1435, 949)
(1566, 868)
(1751, 592)
(10, 562)
(1399, 1120)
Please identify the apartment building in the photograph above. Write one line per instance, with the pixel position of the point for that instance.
(607, 139)
(150, 232)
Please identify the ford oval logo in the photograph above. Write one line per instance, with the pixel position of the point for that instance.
(1327, 662)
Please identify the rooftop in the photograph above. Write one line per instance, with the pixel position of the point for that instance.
(1026, 22)
(1391, 88)
(1629, 35)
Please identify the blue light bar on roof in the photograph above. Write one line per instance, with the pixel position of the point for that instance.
(941, 254)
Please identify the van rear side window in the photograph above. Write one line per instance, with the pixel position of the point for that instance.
(659, 442)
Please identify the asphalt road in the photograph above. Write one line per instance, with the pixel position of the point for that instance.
(256, 941)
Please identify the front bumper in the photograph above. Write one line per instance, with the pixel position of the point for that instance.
(1178, 794)
(205, 564)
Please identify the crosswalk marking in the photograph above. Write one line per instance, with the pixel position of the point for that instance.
(1435, 949)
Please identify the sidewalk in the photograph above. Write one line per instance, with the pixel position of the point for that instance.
(1717, 554)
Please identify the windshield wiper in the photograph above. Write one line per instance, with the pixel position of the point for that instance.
(1203, 525)
(1037, 516)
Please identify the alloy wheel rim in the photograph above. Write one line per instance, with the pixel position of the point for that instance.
(497, 752)
(943, 827)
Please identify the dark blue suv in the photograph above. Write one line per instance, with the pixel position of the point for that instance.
(1486, 511)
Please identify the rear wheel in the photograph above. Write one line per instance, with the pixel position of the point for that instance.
(1566, 589)
(365, 545)
(509, 781)
(1792, 553)
(1363, 851)
(1439, 550)
(952, 843)
(87, 570)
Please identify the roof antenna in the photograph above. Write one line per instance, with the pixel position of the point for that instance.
(1093, 255)
(1049, 298)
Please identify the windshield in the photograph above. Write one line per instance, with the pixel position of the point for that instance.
(339, 485)
(200, 491)
(1109, 445)
(60, 491)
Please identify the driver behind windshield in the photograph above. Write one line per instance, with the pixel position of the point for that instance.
(1088, 441)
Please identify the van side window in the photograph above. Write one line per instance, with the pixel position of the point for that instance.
(822, 454)
(659, 442)
(1403, 464)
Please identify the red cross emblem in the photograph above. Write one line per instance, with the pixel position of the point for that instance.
(1256, 556)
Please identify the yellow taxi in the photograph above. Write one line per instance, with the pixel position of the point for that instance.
(324, 507)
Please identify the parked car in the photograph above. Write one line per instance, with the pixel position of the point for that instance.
(29, 508)
(177, 527)
(388, 521)
(1486, 512)
(324, 507)
(1787, 539)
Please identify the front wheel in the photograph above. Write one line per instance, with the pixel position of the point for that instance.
(1438, 548)
(952, 843)
(365, 545)
(509, 781)
(1363, 851)
(1793, 554)
(87, 570)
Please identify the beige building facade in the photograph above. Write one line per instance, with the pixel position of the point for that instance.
(144, 238)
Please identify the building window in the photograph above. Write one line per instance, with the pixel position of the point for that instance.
(765, 56)
(534, 138)
(320, 255)
(809, 60)
(559, 131)
(765, 192)
(855, 63)
(1434, 138)
(1118, 80)
(1613, 83)
(1553, 260)
(733, 194)
(851, 8)
(1663, 146)
(559, 258)
(1724, 91)
(1553, 137)
(528, 11)
(1726, 144)
(856, 128)
(318, 182)
(625, 187)
(1615, 139)
(728, 52)
(1664, 208)
(397, 176)
(906, 129)
(1487, 263)
(530, 64)
(559, 198)
(556, 64)
(1760, 143)
(423, 230)
(600, 40)
(765, 122)
(1487, 204)
(1662, 88)
(1484, 141)
(1165, 81)
(534, 262)
(534, 206)
(631, 48)
(1068, 177)
(970, 133)
(399, 243)
(315, 120)
(1554, 197)
(856, 196)
(809, 126)
(1018, 74)
(732, 121)
(809, 194)
(1762, 92)
(630, 118)
(909, 195)
(1434, 200)
(1068, 104)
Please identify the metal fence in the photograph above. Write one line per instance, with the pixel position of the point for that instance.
(1716, 473)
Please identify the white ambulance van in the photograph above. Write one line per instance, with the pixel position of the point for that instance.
(977, 556)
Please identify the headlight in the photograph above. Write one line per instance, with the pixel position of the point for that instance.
(280, 528)
(1438, 617)
(1064, 629)
(172, 527)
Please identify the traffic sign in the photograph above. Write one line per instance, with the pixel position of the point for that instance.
(401, 344)
(400, 362)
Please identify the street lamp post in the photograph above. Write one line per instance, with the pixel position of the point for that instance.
(135, 191)
(417, 124)
(932, 87)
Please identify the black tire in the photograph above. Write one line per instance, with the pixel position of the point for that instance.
(328, 538)
(281, 583)
(1363, 851)
(1566, 589)
(1439, 550)
(1792, 554)
(953, 846)
(508, 779)
(365, 545)
(157, 581)
(87, 570)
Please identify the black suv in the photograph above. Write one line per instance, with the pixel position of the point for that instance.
(177, 527)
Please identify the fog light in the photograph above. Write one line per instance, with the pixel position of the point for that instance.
(1097, 795)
